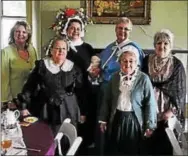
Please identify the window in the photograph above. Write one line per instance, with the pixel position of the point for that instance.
(12, 11)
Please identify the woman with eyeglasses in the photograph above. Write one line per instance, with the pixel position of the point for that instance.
(57, 78)
(18, 59)
(128, 110)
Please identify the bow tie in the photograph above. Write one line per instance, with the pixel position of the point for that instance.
(127, 78)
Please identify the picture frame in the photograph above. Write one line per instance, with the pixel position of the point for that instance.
(108, 11)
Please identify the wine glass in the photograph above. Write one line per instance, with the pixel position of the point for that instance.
(6, 142)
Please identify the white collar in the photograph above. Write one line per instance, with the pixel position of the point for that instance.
(128, 79)
(75, 43)
(123, 42)
(54, 68)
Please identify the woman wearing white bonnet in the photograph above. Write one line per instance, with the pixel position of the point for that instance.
(80, 53)
(168, 77)
(131, 49)
(128, 109)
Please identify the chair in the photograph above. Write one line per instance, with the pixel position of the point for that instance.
(67, 129)
(179, 143)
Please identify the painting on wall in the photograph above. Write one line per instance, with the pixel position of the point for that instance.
(108, 11)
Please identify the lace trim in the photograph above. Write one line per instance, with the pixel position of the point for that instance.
(160, 69)
(54, 69)
(75, 43)
(127, 80)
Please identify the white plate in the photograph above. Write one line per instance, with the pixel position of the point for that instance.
(30, 119)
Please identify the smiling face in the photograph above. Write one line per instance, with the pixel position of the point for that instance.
(162, 48)
(74, 31)
(20, 35)
(128, 62)
(122, 31)
(59, 51)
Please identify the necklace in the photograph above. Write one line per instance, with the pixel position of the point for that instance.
(23, 54)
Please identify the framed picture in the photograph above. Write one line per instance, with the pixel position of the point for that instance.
(108, 11)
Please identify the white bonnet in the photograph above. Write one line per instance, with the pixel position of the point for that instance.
(71, 18)
(129, 48)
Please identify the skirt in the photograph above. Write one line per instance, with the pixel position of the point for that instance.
(126, 135)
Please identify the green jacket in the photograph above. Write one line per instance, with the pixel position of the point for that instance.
(14, 71)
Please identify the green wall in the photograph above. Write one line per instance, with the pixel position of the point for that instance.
(164, 14)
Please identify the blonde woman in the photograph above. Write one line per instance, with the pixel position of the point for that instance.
(18, 59)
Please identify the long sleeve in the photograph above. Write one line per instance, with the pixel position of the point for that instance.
(80, 91)
(5, 77)
(105, 109)
(179, 95)
(30, 86)
(150, 105)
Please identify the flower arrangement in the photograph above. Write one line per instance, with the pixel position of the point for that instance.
(62, 17)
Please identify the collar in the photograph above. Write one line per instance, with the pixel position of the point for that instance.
(128, 79)
(119, 45)
(75, 43)
(123, 42)
(54, 68)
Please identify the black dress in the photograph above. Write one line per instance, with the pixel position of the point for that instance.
(56, 90)
(82, 58)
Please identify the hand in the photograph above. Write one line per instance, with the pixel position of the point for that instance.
(94, 72)
(82, 119)
(25, 112)
(148, 133)
(167, 115)
(103, 127)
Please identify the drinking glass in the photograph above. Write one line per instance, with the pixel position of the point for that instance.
(6, 142)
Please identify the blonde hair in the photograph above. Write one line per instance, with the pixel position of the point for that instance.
(27, 28)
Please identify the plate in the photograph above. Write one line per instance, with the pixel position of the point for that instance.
(30, 119)
(25, 124)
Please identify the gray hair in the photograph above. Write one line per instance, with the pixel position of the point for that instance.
(125, 20)
(53, 42)
(164, 35)
(27, 28)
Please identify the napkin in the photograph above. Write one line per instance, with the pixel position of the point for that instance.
(17, 142)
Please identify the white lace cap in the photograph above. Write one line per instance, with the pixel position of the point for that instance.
(129, 48)
(77, 18)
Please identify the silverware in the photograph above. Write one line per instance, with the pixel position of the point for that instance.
(30, 149)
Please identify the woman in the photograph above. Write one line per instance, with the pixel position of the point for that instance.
(169, 81)
(17, 61)
(57, 77)
(80, 53)
(128, 110)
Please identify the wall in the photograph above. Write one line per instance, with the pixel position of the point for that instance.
(164, 14)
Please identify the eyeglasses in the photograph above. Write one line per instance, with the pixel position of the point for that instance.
(124, 61)
(59, 49)
(123, 28)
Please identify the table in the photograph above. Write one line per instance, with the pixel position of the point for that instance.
(39, 136)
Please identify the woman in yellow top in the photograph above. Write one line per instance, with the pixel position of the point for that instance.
(18, 59)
